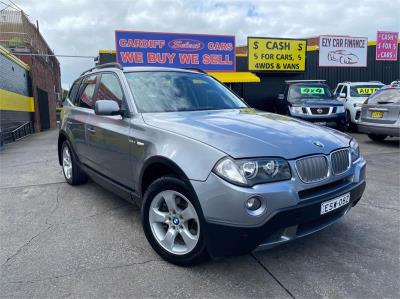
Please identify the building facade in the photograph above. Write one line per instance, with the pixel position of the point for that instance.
(24, 40)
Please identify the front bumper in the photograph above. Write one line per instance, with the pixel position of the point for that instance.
(335, 119)
(292, 210)
(379, 129)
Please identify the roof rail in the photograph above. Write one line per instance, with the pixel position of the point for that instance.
(196, 70)
(103, 66)
(375, 82)
(305, 81)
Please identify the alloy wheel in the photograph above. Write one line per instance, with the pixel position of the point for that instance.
(174, 222)
(67, 162)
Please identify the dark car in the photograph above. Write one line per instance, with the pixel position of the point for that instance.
(311, 100)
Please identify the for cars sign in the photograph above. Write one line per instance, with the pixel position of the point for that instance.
(276, 54)
(206, 52)
(386, 46)
(343, 51)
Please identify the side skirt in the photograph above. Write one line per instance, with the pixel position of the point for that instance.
(119, 190)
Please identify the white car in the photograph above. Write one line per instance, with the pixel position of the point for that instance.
(353, 95)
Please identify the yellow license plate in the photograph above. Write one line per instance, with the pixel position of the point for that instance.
(376, 114)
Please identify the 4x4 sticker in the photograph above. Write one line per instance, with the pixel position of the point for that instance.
(312, 90)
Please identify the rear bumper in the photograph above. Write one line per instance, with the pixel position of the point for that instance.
(285, 225)
(389, 130)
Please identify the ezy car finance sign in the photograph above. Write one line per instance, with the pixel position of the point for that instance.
(343, 51)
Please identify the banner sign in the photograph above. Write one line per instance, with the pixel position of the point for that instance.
(276, 54)
(386, 46)
(201, 51)
(343, 51)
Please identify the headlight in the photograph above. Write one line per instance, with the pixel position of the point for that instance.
(249, 172)
(354, 150)
(357, 105)
(340, 109)
(296, 110)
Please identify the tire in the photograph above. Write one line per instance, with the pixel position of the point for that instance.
(376, 137)
(349, 126)
(175, 230)
(72, 172)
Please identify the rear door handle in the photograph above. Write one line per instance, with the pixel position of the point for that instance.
(91, 130)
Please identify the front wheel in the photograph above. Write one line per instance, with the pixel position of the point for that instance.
(349, 126)
(376, 137)
(72, 172)
(172, 223)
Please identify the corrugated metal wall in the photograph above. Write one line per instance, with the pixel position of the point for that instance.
(13, 78)
(261, 95)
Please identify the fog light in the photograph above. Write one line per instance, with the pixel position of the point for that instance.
(253, 203)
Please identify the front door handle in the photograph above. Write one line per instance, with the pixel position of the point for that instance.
(91, 130)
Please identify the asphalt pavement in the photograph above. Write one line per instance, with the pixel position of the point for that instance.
(62, 241)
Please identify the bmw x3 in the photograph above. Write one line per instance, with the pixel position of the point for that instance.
(213, 177)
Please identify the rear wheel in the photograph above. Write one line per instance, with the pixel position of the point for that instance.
(72, 173)
(376, 137)
(172, 223)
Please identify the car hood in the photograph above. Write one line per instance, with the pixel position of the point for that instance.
(244, 133)
(321, 103)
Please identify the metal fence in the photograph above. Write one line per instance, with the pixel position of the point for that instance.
(19, 34)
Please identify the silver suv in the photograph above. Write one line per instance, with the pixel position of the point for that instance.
(212, 176)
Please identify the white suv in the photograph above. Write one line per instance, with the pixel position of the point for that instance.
(353, 95)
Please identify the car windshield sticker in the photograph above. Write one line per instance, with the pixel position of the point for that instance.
(312, 90)
(367, 90)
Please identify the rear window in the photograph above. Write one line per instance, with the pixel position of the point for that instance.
(364, 90)
(385, 96)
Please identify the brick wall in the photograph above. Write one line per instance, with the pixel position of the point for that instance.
(45, 73)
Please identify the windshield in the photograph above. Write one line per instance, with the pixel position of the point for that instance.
(303, 92)
(363, 90)
(179, 91)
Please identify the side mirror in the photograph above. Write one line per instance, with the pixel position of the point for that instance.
(106, 107)
(281, 96)
(342, 95)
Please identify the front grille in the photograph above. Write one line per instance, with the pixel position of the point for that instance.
(312, 169)
(340, 161)
(319, 110)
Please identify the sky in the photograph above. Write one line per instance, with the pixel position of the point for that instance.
(82, 27)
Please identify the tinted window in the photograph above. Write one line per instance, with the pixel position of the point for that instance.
(179, 91)
(385, 96)
(303, 92)
(73, 91)
(110, 89)
(87, 91)
(363, 90)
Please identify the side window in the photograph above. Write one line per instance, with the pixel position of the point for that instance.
(344, 90)
(338, 89)
(74, 91)
(110, 89)
(87, 92)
